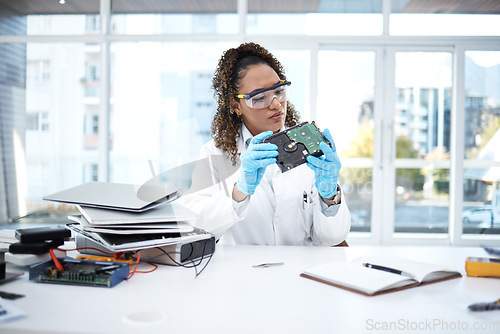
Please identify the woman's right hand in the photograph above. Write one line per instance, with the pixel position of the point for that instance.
(254, 162)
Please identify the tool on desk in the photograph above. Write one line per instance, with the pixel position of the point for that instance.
(10, 295)
(269, 264)
(482, 267)
(387, 269)
(485, 306)
(492, 251)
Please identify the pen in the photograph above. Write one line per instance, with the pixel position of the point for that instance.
(492, 251)
(387, 269)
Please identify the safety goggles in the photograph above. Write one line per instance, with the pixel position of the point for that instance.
(263, 98)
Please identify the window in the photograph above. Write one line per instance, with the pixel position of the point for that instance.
(460, 18)
(328, 17)
(38, 70)
(156, 113)
(409, 90)
(54, 152)
(167, 17)
(95, 124)
(481, 207)
(421, 141)
(346, 107)
(37, 121)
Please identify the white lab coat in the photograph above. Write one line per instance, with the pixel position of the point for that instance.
(288, 213)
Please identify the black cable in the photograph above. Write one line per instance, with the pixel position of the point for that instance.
(193, 264)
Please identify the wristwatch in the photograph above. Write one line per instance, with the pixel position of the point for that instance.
(336, 199)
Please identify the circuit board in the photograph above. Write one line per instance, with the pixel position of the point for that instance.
(80, 272)
(309, 135)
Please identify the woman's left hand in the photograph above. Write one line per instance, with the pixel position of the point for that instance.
(326, 168)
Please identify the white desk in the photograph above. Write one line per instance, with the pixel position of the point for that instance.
(231, 296)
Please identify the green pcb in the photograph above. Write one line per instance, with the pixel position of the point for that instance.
(307, 134)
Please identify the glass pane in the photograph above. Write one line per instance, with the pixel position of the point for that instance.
(481, 142)
(161, 110)
(58, 17)
(174, 17)
(327, 17)
(422, 200)
(346, 81)
(61, 120)
(422, 141)
(444, 18)
(296, 64)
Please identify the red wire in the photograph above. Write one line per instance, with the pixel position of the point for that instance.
(56, 261)
(148, 271)
(136, 264)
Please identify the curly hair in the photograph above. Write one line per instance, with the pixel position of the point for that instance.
(230, 71)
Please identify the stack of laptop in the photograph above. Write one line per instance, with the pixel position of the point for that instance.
(117, 217)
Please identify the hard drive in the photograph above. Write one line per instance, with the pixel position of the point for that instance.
(39, 234)
(295, 144)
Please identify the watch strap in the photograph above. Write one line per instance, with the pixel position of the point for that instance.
(336, 199)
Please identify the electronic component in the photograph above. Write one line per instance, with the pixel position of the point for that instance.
(181, 253)
(44, 233)
(80, 272)
(482, 267)
(295, 144)
(178, 254)
(38, 247)
(106, 259)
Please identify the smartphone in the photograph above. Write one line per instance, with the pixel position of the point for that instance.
(295, 144)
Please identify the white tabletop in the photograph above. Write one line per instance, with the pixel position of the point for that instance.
(231, 296)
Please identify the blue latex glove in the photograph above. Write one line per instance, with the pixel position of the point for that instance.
(326, 168)
(254, 162)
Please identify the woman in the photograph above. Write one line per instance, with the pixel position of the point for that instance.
(258, 204)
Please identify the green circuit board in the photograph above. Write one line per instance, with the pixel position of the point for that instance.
(81, 272)
(307, 134)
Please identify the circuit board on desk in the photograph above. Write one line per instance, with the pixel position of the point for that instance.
(80, 272)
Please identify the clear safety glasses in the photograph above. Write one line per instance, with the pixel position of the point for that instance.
(263, 98)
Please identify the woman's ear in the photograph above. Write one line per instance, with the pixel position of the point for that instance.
(236, 108)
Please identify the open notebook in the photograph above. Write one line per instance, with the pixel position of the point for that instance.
(393, 274)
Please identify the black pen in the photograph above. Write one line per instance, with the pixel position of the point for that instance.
(390, 270)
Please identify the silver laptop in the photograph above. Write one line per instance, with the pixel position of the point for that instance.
(116, 196)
